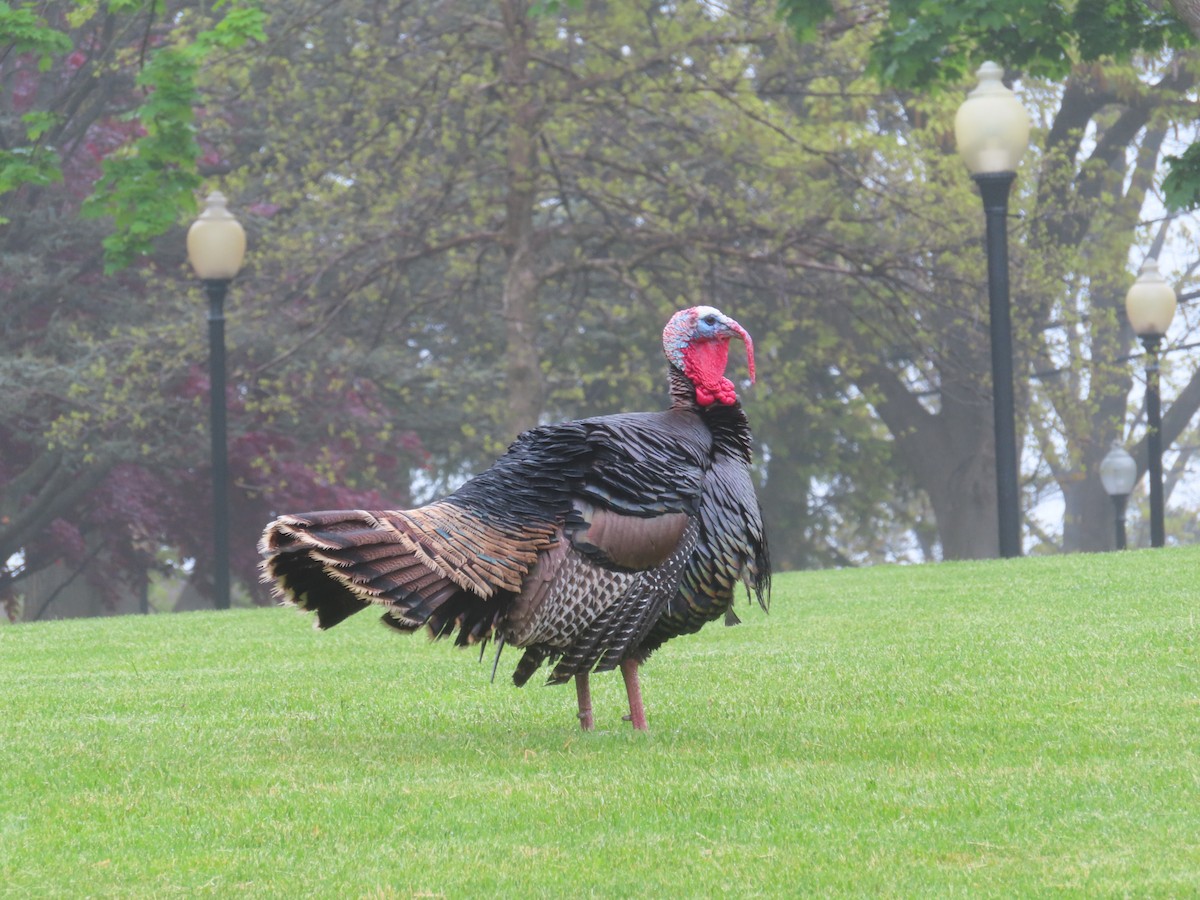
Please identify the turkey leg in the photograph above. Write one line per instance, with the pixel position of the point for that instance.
(637, 714)
(584, 693)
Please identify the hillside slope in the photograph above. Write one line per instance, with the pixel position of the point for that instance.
(1007, 727)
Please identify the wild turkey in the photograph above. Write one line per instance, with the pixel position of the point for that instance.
(588, 543)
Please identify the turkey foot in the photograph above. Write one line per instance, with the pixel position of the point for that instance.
(584, 694)
(637, 714)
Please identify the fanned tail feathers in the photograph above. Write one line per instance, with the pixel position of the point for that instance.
(435, 566)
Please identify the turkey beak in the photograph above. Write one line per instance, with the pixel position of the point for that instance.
(739, 332)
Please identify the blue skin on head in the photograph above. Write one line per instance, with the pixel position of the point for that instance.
(699, 322)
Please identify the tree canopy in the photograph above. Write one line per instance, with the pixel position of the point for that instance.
(922, 44)
(471, 218)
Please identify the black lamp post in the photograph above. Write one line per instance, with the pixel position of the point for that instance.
(216, 245)
(1150, 305)
(1118, 474)
(992, 131)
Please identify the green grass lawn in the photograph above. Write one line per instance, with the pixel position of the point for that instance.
(1003, 728)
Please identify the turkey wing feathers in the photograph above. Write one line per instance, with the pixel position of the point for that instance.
(640, 464)
(546, 545)
(628, 542)
(647, 464)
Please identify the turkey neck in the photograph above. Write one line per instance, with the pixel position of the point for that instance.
(729, 426)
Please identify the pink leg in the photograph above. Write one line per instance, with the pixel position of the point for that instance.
(637, 714)
(584, 694)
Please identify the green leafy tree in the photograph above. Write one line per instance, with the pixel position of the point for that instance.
(469, 218)
(1125, 71)
(102, 458)
(921, 44)
(495, 223)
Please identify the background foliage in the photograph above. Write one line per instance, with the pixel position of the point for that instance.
(468, 218)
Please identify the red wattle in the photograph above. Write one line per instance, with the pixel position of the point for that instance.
(704, 364)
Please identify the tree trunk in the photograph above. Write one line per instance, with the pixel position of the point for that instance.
(786, 506)
(61, 590)
(1089, 521)
(964, 502)
(949, 453)
(522, 364)
(523, 371)
(1188, 11)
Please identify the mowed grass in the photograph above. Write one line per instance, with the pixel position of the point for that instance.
(986, 729)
